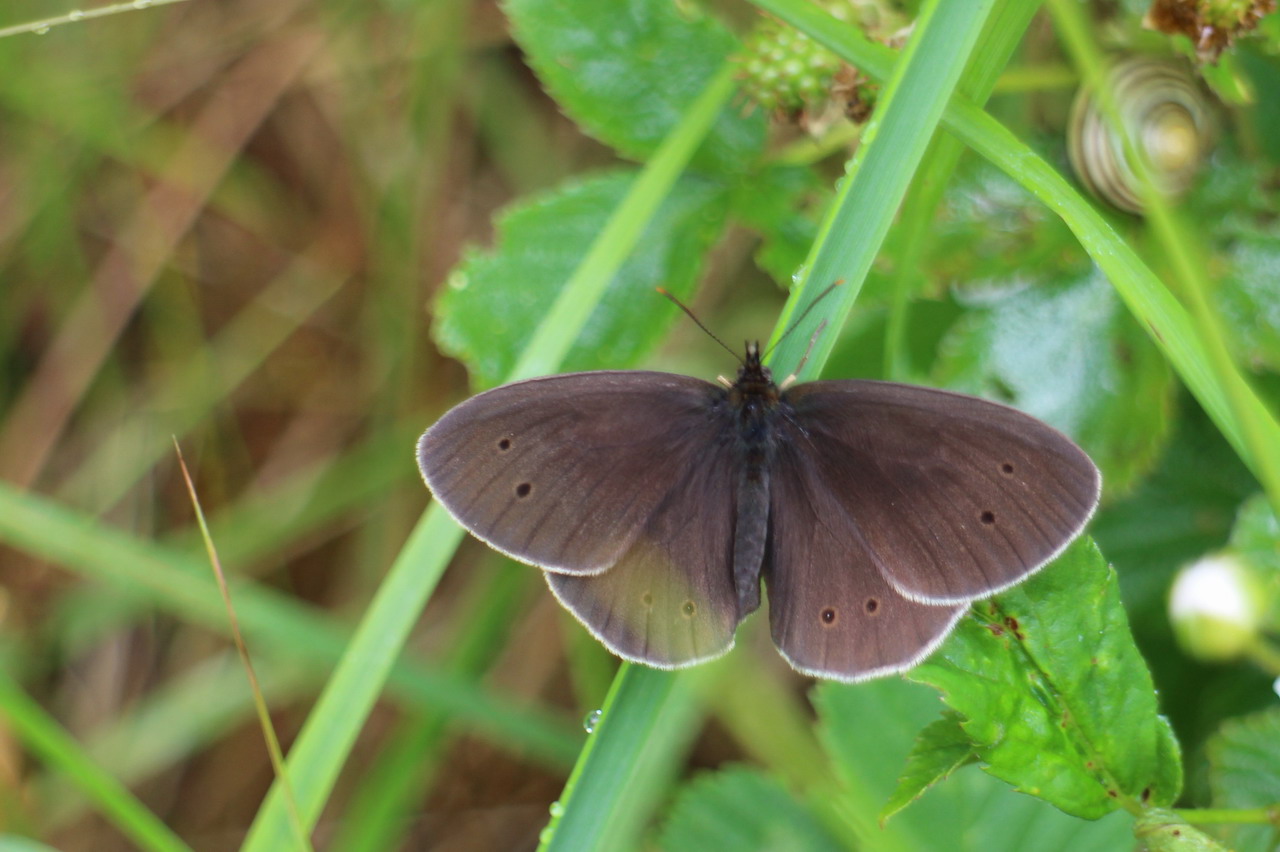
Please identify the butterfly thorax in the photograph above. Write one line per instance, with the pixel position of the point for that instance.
(753, 396)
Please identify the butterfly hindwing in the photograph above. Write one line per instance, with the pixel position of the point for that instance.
(670, 599)
(831, 612)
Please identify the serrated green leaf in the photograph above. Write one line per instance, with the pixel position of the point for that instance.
(742, 810)
(625, 72)
(868, 729)
(1161, 830)
(940, 749)
(494, 300)
(1244, 772)
(1056, 698)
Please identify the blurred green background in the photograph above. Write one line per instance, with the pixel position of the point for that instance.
(230, 222)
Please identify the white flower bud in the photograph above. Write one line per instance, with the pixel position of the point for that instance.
(1215, 606)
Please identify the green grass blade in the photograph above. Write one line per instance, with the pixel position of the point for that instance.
(46, 738)
(331, 729)
(1140, 288)
(12, 843)
(908, 239)
(178, 582)
(582, 292)
(774, 725)
(190, 712)
(648, 719)
(868, 198)
(43, 25)
(847, 244)
(1187, 260)
(393, 787)
(332, 726)
(184, 399)
(1145, 295)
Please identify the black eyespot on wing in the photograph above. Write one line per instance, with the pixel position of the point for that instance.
(987, 517)
(690, 609)
(1006, 469)
(828, 616)
(872, 606)
(524, 489)
(504, 444)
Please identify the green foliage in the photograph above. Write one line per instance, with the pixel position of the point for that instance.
(494, 301)
(940, 749)
(1056, 699)
(778, 204)
(1115, 399)
(869, 730)
(1187, 507)
(738, 809)
(1162, 830)
(275, 332)
(1253, 540)
(1256, 531)
(1250, 300)
(11, 843)
(1244, 772)
(627, 72)
(1035, 313)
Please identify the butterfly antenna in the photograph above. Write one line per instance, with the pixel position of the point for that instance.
(800, 319)
(681, 306)
(789, 380)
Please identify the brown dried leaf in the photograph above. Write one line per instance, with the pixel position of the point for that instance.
(1212, 27)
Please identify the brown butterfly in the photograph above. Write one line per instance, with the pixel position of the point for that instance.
(655, 503)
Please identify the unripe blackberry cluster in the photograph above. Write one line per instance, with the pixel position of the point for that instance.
(785, 71)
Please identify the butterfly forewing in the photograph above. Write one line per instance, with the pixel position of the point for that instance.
(953, 497)
(831, 612)
(564, 472)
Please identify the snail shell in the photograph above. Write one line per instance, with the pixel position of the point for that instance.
(1168, 121)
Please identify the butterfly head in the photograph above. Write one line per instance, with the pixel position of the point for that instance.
(754, 378)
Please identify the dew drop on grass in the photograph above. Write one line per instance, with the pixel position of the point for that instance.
(592, 719)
